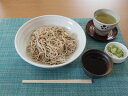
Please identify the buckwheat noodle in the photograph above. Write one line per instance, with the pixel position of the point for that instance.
(51, 45)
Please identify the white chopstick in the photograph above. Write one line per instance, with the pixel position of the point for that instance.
(57, 81)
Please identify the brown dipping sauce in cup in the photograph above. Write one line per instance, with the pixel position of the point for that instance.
(96, 63)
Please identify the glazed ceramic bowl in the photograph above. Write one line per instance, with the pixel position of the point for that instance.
(122, 47)
(23, 35)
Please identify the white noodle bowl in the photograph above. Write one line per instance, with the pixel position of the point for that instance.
(25, 31)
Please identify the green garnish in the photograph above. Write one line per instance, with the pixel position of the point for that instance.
(115, 51)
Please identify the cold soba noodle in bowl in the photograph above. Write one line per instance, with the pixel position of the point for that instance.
(51, 45)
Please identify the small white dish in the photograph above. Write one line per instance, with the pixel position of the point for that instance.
(122, 47)
(23, 35)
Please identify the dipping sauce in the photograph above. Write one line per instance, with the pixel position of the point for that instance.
(95, 64)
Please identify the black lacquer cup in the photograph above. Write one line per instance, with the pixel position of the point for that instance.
(96, 63)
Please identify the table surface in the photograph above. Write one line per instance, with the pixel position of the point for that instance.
(69, 8)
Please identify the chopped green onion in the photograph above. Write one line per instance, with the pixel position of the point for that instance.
(115, 51)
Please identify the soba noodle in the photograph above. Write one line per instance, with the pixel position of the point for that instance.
(51, 45)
